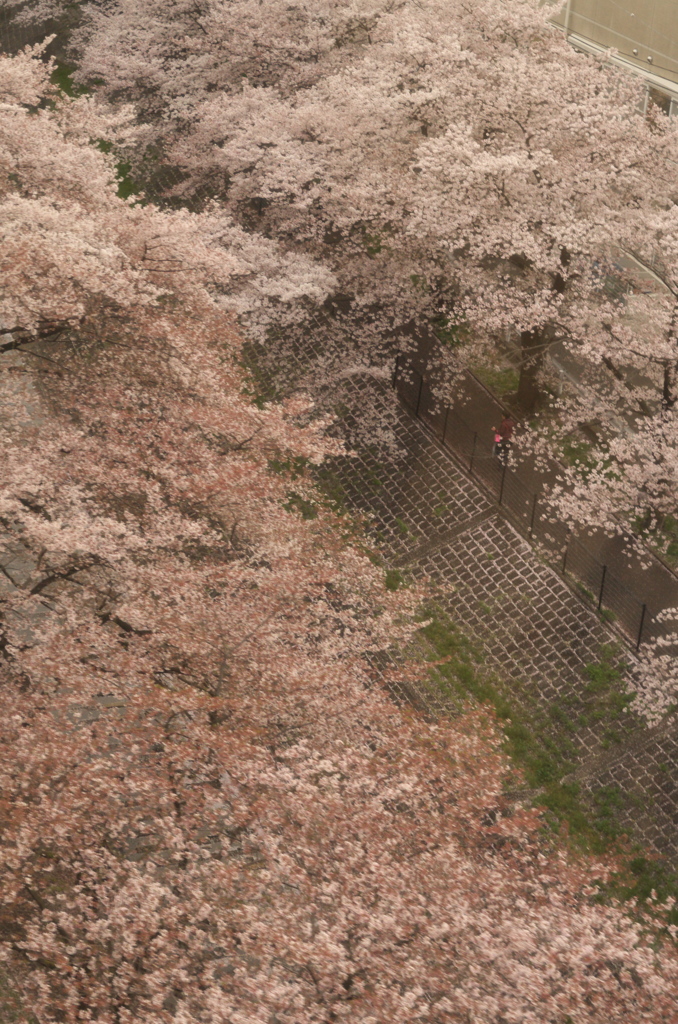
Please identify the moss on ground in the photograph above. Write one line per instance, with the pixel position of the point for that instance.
(12, 1010)
(394, 579)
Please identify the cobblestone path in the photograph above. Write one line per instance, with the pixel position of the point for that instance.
(430, 519)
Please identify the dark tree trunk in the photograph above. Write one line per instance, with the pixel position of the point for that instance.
(669, 389)
(670, 383)
(533, 345)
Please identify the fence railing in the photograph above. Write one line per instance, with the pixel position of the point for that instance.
(616, 602)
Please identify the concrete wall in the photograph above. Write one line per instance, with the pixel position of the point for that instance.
(644, 32)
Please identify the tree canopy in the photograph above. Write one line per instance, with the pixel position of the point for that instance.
(212, 809)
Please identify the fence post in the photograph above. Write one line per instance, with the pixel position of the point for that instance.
(567, 548)
(447, 413)
(503, 478)
(534, 509)
(602, 587)
(421, 385)
(640, 629)
(473, 451)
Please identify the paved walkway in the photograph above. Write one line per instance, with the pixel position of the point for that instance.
(431, 519)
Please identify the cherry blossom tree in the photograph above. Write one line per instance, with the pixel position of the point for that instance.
(505, 215)
(629, 473)
(546, 166)
(213, 807)
(67, 237)
(656, 673)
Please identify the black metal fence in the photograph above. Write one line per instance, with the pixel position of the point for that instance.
(616, 602)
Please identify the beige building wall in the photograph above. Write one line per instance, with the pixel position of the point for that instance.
(643, 32)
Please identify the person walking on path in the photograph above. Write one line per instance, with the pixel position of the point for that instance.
(503, 436)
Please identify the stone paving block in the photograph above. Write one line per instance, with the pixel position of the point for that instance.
(7, 588)
(411, 493)
(16, 561)
(25, 624)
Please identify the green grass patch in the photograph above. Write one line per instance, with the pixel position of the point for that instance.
(256, 397)
(661, 535)
(420, 283)
(601, 674)
(607, 699)
(127, 186)
(672, 550)
(11, 1009)
(331, 486)
(62, 77)
(584, 457)
(500, 381)
(394, 580)
(539, 739)
(611, 736)
(297, 503)
(649, 883)
(330, 492)
(450, 334)
(259, 387)
(372, 243)
(293, 467)
(578, 454)
(646, 876)
(373, 236)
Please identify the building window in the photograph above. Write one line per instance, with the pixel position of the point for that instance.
(660, 100)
